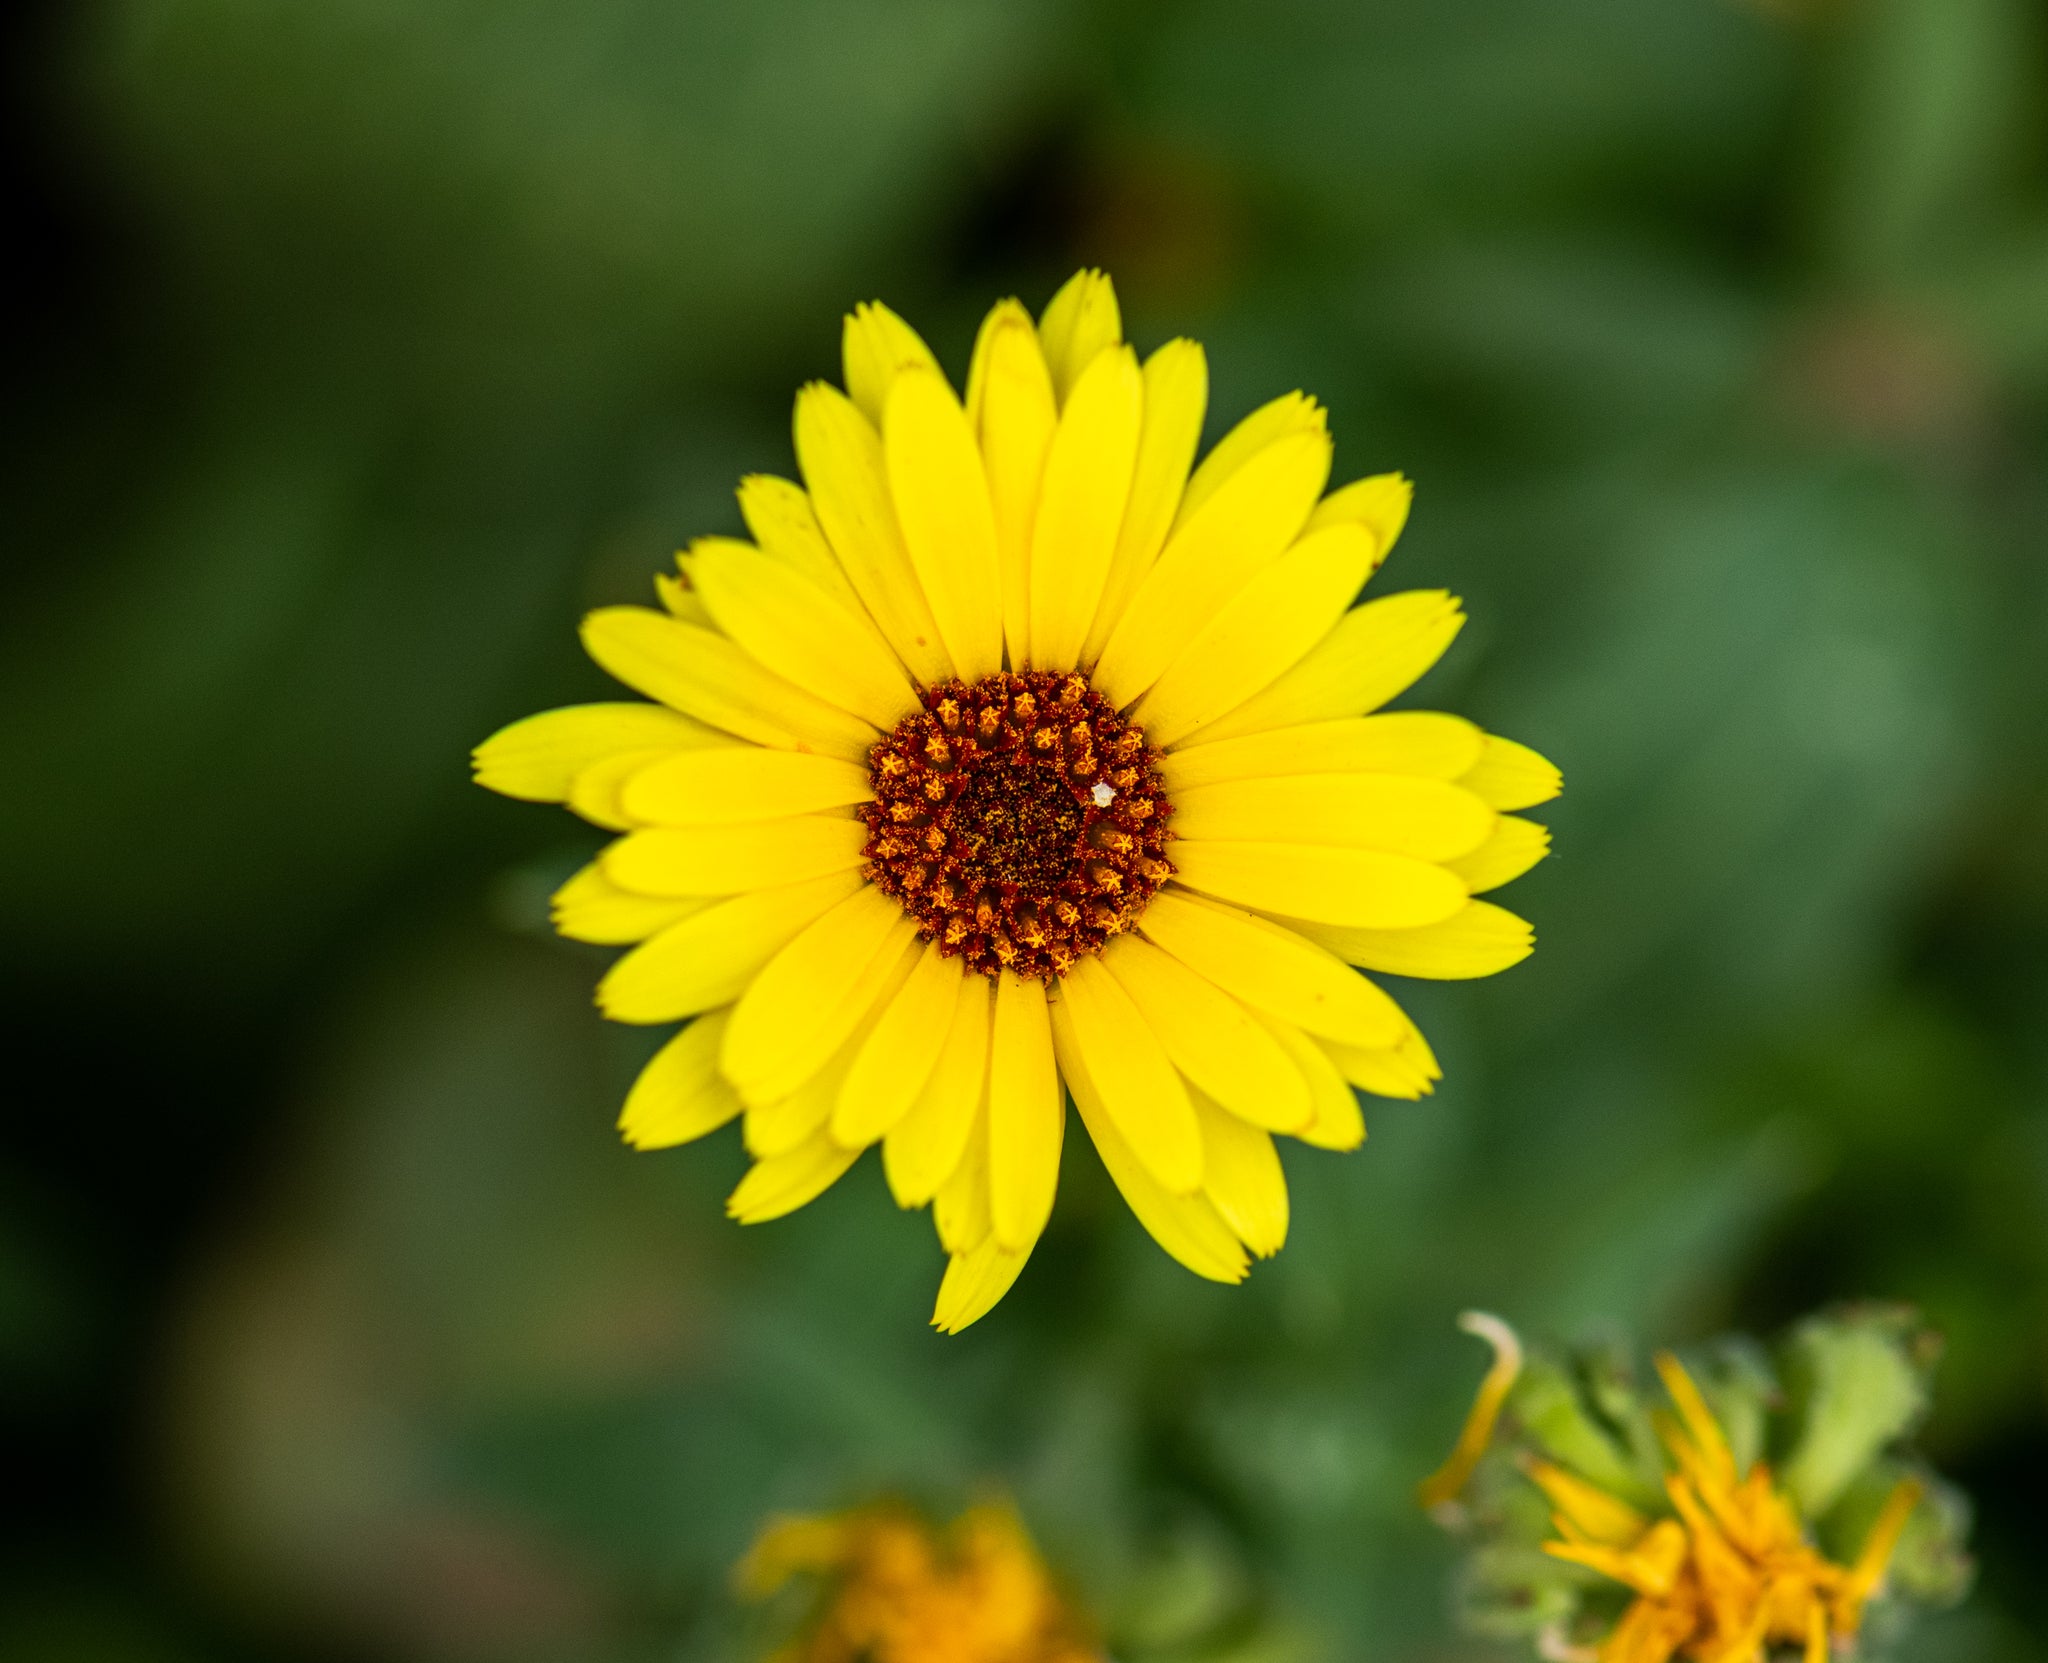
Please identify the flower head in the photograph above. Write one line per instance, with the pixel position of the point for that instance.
(1665, 1539)
(893, 1590)
(1012, 759)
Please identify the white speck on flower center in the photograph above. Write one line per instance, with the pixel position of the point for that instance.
(1103, 794)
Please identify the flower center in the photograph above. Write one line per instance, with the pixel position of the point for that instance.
(1019, 820)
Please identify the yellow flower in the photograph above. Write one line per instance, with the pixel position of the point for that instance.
(1012, 759)
(897, 1592)
(1730, 1576)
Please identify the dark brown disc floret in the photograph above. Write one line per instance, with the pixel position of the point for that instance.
(1019, 820)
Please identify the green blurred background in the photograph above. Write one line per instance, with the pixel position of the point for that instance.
(364, 344)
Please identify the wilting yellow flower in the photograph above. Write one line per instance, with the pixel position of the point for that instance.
(1012, 759)
(895, 1591)
(1730, 1575)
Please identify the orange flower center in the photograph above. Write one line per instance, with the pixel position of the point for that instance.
(1019, 820)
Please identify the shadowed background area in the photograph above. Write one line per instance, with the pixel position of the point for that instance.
(363, 345)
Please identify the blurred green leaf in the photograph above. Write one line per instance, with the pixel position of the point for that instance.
(1856, 1386)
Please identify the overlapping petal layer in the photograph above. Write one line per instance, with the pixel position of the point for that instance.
(1045, 520)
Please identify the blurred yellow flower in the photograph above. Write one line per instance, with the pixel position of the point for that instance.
(1731, 1576)
(895, 1591)
(1012, 758)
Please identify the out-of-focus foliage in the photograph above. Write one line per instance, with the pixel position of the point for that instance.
(370, 342)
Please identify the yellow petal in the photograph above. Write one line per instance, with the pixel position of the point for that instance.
(776, 1187)
(1337, 1122)
(1210, 1037)
(1508, 775)
(1380, 504)
(1081, 506)
(536, 759)
(1303, 880)
(1241, 1175)
(713, 679)
(809, 996)
(1236, 533)
(1079, 322)
(737, 783)
(1407, 1070)
(998, 316)
(875, 347)
(1400, 813)
(778, 512)
(1272, 969)
(974, 1282)
(1011, 404)
(1653, 1564)
(1709, 1442)
(814, 640)
(1651, 1568)
(727, 860)
(841, 456)
(790, 1545)
(1867, 1574)
(1443, 1487)
(960, 1211)
(680, 1095)
(590, 907)
(1515, 846)
(1263, 631)
(597, 792)
(773, 1128)
(923, 1149)
(1479, 939)
(680, 600)
(900, 1053)
(1376, 651)
(1288, 416)
(1105, 1034)
(1026, 1114)
(1187, 1226)
(942, 504)
(1176, 399)
(707, 958)
(1401, 742)
(1591, 1510)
